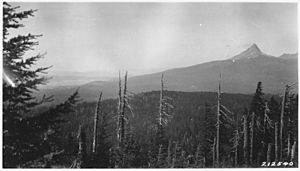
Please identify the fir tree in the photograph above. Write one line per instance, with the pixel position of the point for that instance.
(27, 137)
(20, 83)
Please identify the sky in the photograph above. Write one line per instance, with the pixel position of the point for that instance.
(151, 37)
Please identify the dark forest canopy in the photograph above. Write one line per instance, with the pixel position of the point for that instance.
(186, 128)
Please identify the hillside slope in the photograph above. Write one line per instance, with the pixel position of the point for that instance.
(240, 74)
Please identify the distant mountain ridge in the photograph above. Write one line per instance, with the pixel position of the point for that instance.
(289, 56)
(240, 74)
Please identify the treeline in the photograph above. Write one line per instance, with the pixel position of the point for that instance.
(149, 130)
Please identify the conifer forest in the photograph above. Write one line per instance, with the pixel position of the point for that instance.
(158, 128)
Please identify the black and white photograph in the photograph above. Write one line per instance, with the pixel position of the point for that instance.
(182, 85)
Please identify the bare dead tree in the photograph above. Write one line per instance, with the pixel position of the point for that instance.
(169, 157)
(119, 109)
(96, 118)
(164, 116)
(281, 120)
(236, 147)
(214, 152)
(174, 159)
(79, 162)
(124, 99)
(269, 152)
(289, 146)
(276, 141)
(161, 107)
(251, 137)
(267, 125)
(293, 152)
(218, 123)
(235, 140)
(245, 131)
(123, 102)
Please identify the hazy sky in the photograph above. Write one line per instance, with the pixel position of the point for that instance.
(150, 37)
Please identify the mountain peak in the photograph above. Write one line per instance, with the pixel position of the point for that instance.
(252, 52)
(254, 47)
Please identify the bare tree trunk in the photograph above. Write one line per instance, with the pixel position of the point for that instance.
(293, 152)
(281, 121)
(214, 153)
(246, 152)
(236, 156)
(276, 141)
(169, 155)
(269, 152)
(218, 124)
(121, 120)
(163, 114)
(289, 146)
(174, 155)
(160, 124)
(119, 110)
(251, 138)
(80, 147)
(236, 143)
(96, 118)
(289, 132)
(159, 156)
(265, 129)
(80, 160)
(123, 110)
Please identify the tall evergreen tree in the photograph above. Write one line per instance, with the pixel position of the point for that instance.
(20, 81)
(27, 136)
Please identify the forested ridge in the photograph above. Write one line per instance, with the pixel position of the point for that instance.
(158, 129)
